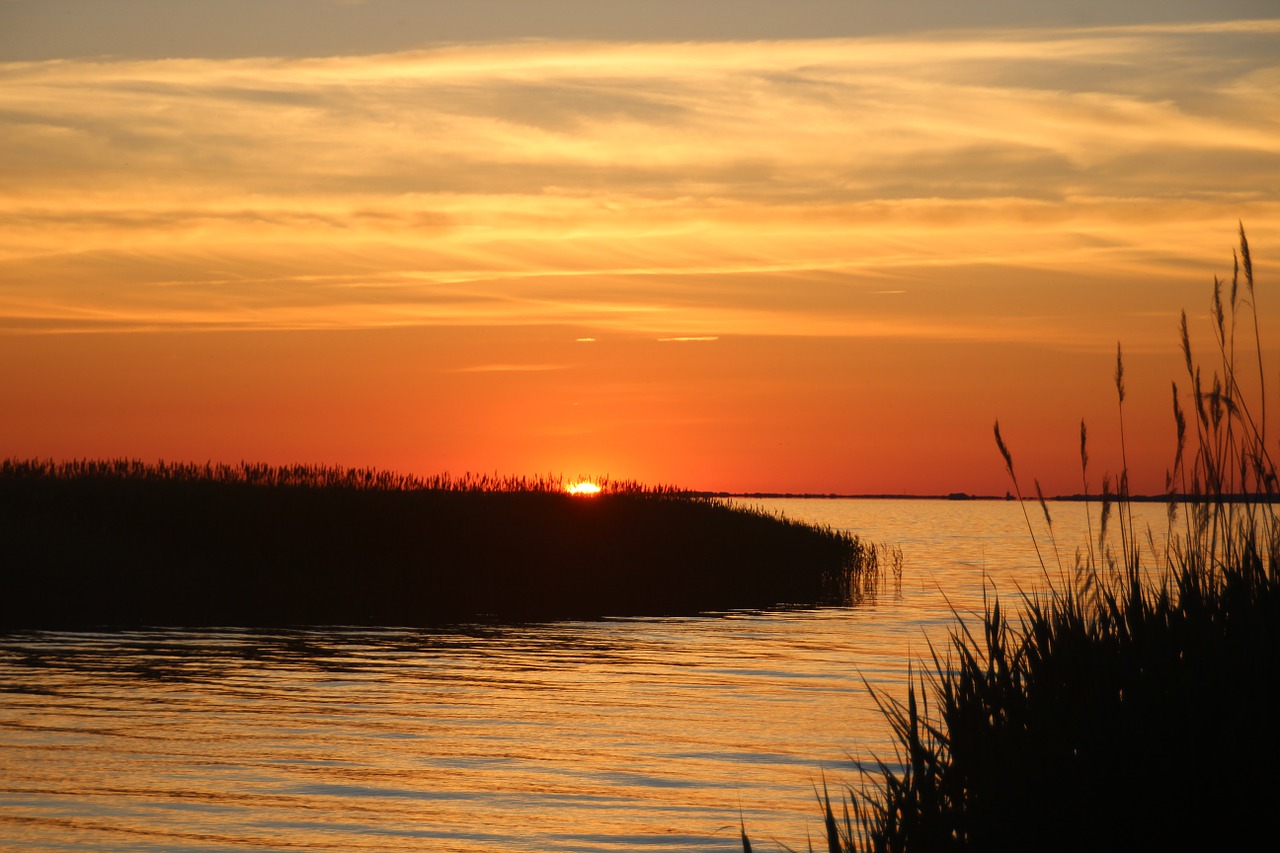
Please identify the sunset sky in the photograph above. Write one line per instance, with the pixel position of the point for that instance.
(813, 246)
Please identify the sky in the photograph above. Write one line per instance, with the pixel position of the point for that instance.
(749, 246)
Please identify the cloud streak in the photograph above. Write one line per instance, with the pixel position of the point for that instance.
(669, 189)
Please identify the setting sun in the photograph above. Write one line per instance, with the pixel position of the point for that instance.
(583, 489)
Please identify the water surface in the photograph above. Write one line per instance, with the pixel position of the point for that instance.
(636, 734)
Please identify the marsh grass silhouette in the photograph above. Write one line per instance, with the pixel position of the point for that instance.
(121, 543)
(1131, 705)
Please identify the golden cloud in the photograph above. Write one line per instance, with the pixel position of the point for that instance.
(674, 189)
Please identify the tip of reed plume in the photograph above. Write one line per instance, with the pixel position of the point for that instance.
(1004, 450)
(1119, 372)
(1246, 259)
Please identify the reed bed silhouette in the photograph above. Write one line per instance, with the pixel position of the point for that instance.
(312, 476)
(1130, 705)
(122, 543)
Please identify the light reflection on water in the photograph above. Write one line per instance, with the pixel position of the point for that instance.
(630, 734)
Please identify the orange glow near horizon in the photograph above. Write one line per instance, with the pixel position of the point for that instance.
(583, 489)
(794, 266)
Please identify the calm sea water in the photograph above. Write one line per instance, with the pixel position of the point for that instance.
(636, 734)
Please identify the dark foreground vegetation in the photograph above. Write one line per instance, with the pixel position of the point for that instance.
(120, 543)
(1131, 706)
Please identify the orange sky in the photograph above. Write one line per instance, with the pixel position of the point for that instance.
(794, 264)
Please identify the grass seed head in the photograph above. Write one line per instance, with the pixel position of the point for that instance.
(1004, 452)
(1119, 372)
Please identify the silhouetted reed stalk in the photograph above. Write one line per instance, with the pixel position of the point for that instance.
(1090, 559)
(1124, 709)
(1017, 490)
(1124, 514)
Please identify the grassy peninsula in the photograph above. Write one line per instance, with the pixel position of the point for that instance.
(121, 543)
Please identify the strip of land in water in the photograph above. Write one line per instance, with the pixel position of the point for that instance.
(124, 544)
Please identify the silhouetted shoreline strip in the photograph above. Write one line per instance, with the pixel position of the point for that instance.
(135, 545)
(964, 496)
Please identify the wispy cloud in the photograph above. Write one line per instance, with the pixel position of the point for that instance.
(510, 368)
(675, 189)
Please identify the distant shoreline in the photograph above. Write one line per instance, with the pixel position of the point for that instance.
(963, 496)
